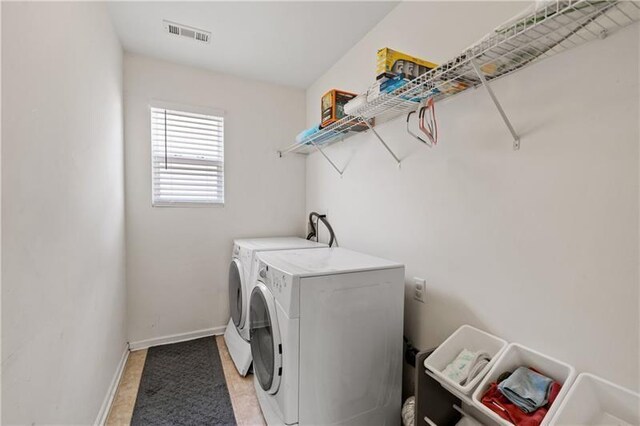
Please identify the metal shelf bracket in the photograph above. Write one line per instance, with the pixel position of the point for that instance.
(395, 157)
(340, 172)
(485, 83)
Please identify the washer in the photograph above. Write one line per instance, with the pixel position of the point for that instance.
(241, 279)
(326, 337)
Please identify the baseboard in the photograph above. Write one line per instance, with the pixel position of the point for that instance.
(175, 338)
(113, 387)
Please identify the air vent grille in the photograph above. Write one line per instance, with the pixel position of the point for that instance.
(202, 37)
(186, 31)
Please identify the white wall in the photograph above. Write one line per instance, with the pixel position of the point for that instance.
(538, 246)
(63, 294)
(0, 215)
(177, 258)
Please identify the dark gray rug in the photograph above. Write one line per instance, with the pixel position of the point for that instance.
(183, 384)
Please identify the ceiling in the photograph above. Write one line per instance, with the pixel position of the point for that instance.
(289, 43)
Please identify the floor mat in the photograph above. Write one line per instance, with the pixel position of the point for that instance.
(183, 384)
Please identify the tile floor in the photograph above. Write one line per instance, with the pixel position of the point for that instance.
(243, 395)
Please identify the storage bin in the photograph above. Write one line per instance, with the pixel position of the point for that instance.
(596, 401)
(516, 355)
(466, 337)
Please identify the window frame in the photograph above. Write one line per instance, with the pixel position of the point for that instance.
(193, 110)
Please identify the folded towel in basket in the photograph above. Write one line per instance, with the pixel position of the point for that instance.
(527, 389)
(466, 366)
(503, 407)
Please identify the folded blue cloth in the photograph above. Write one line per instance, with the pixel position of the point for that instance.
(526, 389)
(307, 133)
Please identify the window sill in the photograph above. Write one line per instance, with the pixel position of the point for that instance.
(189, 205)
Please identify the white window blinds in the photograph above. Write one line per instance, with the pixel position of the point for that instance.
(188, 158)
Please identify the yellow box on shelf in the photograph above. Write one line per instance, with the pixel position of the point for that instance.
(392, 62)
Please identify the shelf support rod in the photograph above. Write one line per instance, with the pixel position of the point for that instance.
(395, 157)
(327, 158)
(485, 83)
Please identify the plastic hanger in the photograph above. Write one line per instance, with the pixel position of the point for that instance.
(427, 143)
(430, 128)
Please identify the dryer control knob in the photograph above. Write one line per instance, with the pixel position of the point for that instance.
(263, 274)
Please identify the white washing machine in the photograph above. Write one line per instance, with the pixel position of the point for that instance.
(241, 280)
(326, 331)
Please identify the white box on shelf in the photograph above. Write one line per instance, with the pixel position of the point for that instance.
(593, 400)
(472, 339)
(355, 104)
(516, 356)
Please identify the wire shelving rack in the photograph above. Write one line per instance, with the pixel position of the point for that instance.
(552, 27)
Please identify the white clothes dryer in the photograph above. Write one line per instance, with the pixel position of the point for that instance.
(241, 280)
(326, 331)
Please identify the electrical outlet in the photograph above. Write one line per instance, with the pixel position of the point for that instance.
(419, 289)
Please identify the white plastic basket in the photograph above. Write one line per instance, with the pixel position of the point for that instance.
(466, 337)
(516, 356)
(596, 401)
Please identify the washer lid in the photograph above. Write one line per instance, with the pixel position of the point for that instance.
(276, 243)
(324, 261)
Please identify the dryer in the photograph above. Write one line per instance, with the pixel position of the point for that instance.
(326, 331)
(241, 279)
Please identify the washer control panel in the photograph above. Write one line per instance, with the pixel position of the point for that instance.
(279, 283)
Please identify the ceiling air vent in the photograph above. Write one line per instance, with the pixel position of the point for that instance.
(186, 31)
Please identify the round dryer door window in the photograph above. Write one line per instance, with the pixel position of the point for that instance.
(265, 339)
(235, 292)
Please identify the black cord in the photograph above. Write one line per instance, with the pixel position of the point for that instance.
(314, 227)
(317, 231)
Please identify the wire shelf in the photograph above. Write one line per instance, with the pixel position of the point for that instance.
(551, 28)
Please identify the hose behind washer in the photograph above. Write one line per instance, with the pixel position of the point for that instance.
(314, 230)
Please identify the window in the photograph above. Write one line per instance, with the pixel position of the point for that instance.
(188, 158)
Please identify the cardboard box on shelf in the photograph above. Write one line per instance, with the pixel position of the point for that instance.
(332, 106)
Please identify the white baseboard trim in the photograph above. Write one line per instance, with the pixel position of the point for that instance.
(175, 338)
(113, 387)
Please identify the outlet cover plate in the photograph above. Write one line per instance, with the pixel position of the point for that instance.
(419, 289)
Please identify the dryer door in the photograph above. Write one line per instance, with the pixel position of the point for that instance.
(266, 346)
(236, 293)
